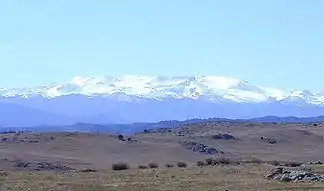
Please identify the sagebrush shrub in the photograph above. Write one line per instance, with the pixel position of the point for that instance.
(169, 165)
(211, 162)
(143, 167)
(153, 165)
(182, 164)
(224, 161)
(120, 166)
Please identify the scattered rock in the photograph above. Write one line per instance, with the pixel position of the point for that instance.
(180, 134)
(22, 165)
(224, 136)
(121, 138)
(129, 139)
(274, 172)
(314, 163)
(199, 147)
(158, 130)
(269, 140)
(42, 166)
(283, 175)
(24, 138)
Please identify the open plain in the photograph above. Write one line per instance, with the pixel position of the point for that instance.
(80, 161)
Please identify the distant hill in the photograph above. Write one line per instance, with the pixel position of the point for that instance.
(141, 127)
(17, 115)
(288, 119)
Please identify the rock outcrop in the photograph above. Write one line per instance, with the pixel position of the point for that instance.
(201, 148)
(42, 166)
(286, 175)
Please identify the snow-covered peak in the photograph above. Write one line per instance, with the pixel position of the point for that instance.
(212, 88)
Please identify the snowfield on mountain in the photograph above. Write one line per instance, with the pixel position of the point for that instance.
(211, 88)
(137, 98)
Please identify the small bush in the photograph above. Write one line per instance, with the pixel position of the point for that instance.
(143, 167)
(182, 164)
(88, 170)
(211, 162)
(224, 161)
(120, 166)
(169, 165)
(153, 165)
(201, 163)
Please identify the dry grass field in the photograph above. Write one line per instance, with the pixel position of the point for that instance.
(232, 178)
(293, 142)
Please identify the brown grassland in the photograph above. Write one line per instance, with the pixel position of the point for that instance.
(295, 142)
(232, 178)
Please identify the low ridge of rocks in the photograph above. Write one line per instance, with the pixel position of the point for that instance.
(201, 148)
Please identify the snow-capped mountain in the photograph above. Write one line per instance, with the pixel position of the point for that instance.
(133, 98)
(211, 88)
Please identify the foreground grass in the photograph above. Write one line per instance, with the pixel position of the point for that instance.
(231, 178)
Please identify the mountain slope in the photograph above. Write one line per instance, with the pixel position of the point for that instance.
(130, 99)
(130, 88)
(16, 115)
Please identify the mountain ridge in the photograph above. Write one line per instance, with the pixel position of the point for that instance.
(132, 99)
(132, 87)
(142, 127)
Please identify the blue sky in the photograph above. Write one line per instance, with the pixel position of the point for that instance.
(277, 43)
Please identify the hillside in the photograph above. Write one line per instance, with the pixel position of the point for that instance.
(301, 142)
